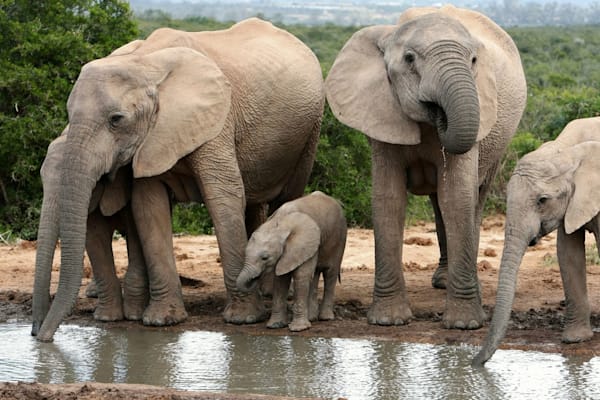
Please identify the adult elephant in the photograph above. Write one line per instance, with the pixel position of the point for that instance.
(109, 211)
(439, 95)
(235, 113)
(555, 187)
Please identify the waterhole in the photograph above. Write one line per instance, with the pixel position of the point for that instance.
(290, 365)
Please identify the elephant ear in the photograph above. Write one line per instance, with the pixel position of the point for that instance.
(302, 243)
(585, 201)
(485, 80)
(194, 99)
(117, 193)
(359, 92)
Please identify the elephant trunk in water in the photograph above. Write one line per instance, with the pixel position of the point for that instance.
(515, 246)
(46, 244)
(79, 177)
(456, 108)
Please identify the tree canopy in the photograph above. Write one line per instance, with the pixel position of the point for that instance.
(43, 46)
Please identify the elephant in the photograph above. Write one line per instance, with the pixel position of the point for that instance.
(555, 187)
(439, 96)
(230, 118)
(303, 239)
(109, 211)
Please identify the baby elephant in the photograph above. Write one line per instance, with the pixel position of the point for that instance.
(303, 239)
(556, 187)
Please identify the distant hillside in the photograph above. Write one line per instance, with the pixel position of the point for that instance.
(356, 13)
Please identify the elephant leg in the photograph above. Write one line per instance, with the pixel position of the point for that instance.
(136, 292)
(389, 197)
(99, 249)
(279, 314)
(302, 296)
(313, 297)
(458, 195)
(440, 276)
(256, 215)
(91, 290)
(571, 259)
(219, 179)
(294, 187)
(330, 277)
(152, 214)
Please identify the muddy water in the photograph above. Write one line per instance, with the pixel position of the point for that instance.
(292, 366)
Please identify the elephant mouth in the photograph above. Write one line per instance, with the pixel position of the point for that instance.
(534, 241)
(436, 116)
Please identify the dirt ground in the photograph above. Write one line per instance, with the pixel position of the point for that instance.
(536, 322)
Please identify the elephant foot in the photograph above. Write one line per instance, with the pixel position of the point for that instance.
(277, 321)
(134, 307)
(393, 310)
(463, 314)
(440, 277)
(244, 309)
(91, 291)
(326, 314)
(575, 333)
(313, 311)
(107, 313)
(298, 325)
(161, 313)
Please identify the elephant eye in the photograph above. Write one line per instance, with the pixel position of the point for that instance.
(264, 256)
(409, 57)
(474, 60)
(115, 119)
(542, 200)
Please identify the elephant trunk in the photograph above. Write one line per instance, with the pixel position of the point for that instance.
(456, 109)
(46, 244)
(512, 255)
(248, 278)
(79, 177)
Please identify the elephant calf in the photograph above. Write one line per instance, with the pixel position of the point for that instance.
(303, 239)
(556, 187)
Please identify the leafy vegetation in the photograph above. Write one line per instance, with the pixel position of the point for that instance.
(43, 47)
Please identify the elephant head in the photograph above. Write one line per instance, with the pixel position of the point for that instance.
(427, 69)
(285, 242)
(550, 187)
(145, 108)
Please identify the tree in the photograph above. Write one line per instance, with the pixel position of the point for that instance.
(43, 46)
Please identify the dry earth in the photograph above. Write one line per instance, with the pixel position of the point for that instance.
(536, 322)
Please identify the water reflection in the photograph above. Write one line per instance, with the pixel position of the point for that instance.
(289, 365)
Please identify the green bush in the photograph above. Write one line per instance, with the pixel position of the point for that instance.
(43, 46)
(342, 169)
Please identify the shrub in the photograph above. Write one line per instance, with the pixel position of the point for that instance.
(43, 46)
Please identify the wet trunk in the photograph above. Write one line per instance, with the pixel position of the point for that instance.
(78, 181)
(44, 256)
(514, 249)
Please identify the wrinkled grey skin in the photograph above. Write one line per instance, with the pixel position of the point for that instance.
(439, 95)
(230, 118)
(302, 240)
(114, 197)
(555, 187)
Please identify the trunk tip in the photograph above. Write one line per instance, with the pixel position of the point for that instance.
(480, 359)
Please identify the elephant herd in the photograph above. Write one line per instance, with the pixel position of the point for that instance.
(231, 118)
